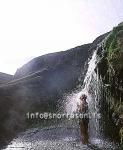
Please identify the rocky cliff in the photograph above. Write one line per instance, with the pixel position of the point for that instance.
(40, 84)
(4, 78)
(110, 69)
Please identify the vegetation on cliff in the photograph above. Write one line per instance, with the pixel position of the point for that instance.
(114, 49)
(114, 58)
(111, 70)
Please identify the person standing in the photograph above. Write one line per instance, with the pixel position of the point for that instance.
(84, 121)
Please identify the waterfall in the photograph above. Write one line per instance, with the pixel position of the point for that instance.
(91, 88)
(97, 95)
(65, 137)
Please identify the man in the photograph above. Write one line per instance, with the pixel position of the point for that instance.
(83, 109)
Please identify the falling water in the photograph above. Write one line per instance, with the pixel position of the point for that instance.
(74, 97)
(65, 137)
(91, 87)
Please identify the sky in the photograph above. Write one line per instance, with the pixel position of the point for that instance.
(31, 28)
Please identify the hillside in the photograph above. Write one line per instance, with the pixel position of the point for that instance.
(40, 85)
(4, 78)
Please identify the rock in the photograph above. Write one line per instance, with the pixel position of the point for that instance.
(4, 78)
(111, 71)
(40, 85)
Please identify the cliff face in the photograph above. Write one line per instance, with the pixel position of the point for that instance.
(4, 78)
(45, 79)
(111, 71)
(40, 84)
(66, 59)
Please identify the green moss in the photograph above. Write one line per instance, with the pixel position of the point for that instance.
(114, 56)
(121, 135)
(120, 109)
(120, 24)
(114, 46)
(112, 38)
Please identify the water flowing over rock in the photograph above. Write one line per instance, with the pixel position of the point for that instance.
(40, 85)
(110, 69)
(103, 86)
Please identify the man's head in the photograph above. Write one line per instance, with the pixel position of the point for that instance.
(83, 97)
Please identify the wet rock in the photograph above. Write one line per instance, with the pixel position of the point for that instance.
(4, 78)
(111, 71)
(39, 85)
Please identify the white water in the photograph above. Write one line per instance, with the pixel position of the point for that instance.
(65, 138)
(92, 87)
(92, 97)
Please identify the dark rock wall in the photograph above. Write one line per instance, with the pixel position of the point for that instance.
(4, 78)
(40, 84)
(110, 69)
